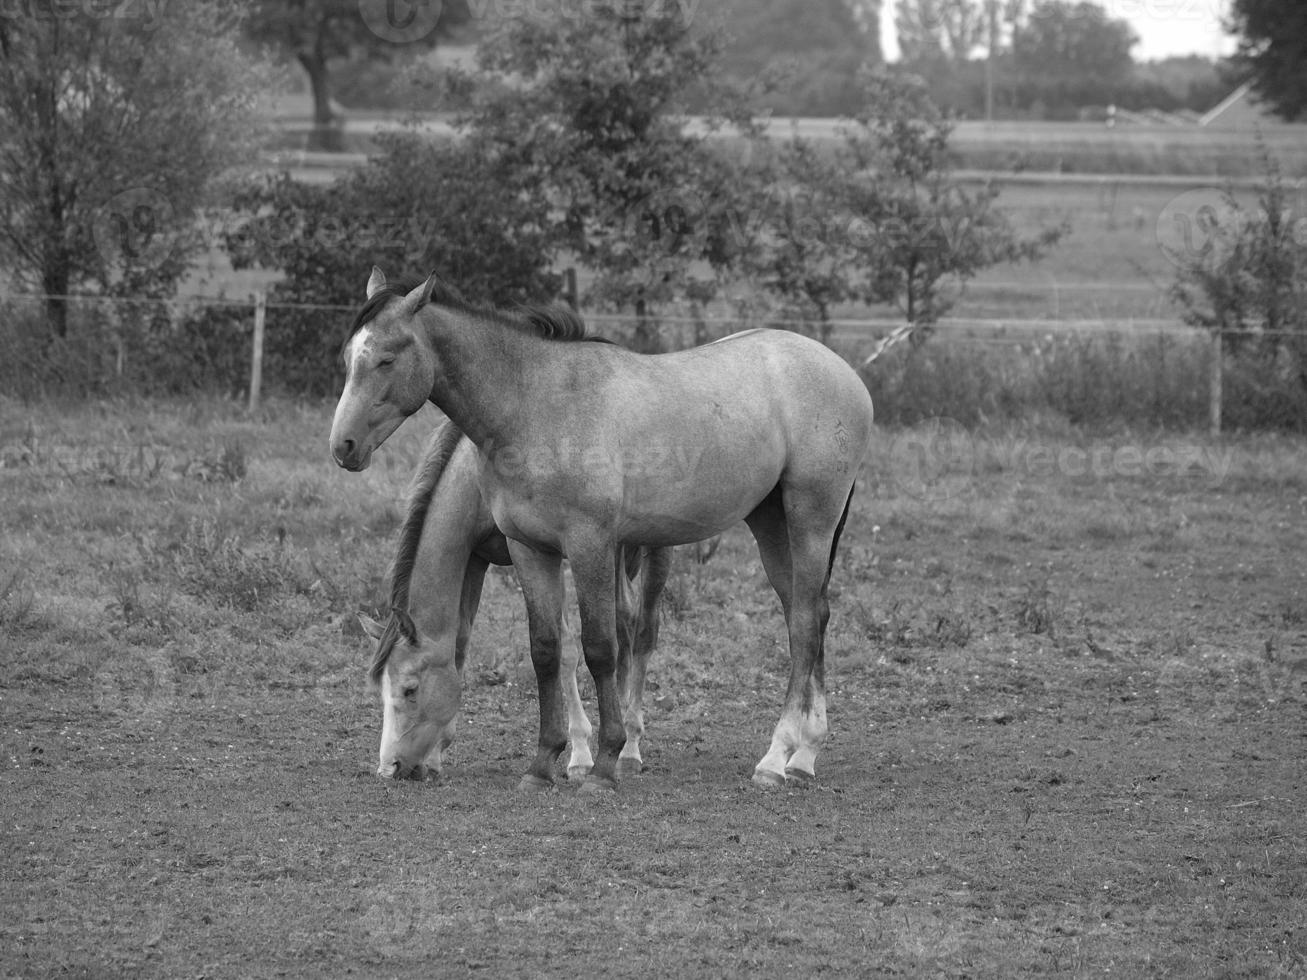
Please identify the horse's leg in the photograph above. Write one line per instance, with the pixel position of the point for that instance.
(579, 728)
(634, 656)
(814, 524)
(594, 569)
(541, 578)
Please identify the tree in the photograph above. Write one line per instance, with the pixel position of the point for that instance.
(1272, 52)
(1072, 54)
(111, 130)
(592, 108)
(937, 31)
(813, 48)
(316, 32)
(923, 234)
(957, 46)
(878, 218)
(797, 247)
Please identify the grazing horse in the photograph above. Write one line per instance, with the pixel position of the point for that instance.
(446, 543)
(585, 448)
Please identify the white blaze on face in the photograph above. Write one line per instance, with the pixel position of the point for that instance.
(389, 729)
(356, 350)
(359, 346)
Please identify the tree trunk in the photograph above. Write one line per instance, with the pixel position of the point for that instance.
(54, 283)
(326, 134)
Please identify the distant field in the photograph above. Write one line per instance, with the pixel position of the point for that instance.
(1090, 148)
(1067, 692)
(1113, 265)
(1093, 148)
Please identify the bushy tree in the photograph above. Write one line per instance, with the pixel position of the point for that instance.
(111, 130)
(878, 217)
(924, 234)
(795, 231)
(416, 206)
(1245, 277)
(591, 109)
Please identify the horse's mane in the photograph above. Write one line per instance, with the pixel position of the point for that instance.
(549, 321)
(439, 451)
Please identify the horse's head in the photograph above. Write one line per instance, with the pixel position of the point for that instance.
(388, 371)
(420, 688)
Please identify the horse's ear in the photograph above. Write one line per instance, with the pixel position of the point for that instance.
(421, 296)
(371, 626)
(376, 282)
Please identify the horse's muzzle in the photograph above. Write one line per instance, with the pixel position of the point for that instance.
(347, 456)
(402, 770)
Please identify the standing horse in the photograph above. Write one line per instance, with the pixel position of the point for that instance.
(585, 448)
(446, 543)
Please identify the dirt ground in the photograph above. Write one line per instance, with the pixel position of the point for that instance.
(1066, 679)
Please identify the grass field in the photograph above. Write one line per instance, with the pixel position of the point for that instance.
(1066, 698)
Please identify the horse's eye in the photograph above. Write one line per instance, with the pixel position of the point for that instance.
(386, 361)
(409, 691)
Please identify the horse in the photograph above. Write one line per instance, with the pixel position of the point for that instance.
(585, 448)
(445, 546)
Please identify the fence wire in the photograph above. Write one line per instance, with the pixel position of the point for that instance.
(141, 345)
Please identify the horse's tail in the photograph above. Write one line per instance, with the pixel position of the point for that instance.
(629, 560)
(839, 530)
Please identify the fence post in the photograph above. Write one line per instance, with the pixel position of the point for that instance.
(1214, 384)
(256, 362)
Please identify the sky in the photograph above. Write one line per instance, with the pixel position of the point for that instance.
(1165, 27)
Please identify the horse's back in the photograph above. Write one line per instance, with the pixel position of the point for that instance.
(803, 379)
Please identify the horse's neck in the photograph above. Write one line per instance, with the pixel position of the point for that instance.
(481, 368)
(455, 522)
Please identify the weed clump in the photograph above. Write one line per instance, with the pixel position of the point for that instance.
(1035, 611)
(215, 565)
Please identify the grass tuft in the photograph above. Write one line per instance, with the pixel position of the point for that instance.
(17, 600)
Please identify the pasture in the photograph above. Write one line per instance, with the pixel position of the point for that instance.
(1065, 672)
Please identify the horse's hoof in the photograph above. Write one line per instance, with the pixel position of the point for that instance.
(531, 783)
(576, 774)
(598, 785)
(798, 779)
(628, 766)
(768, 779)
